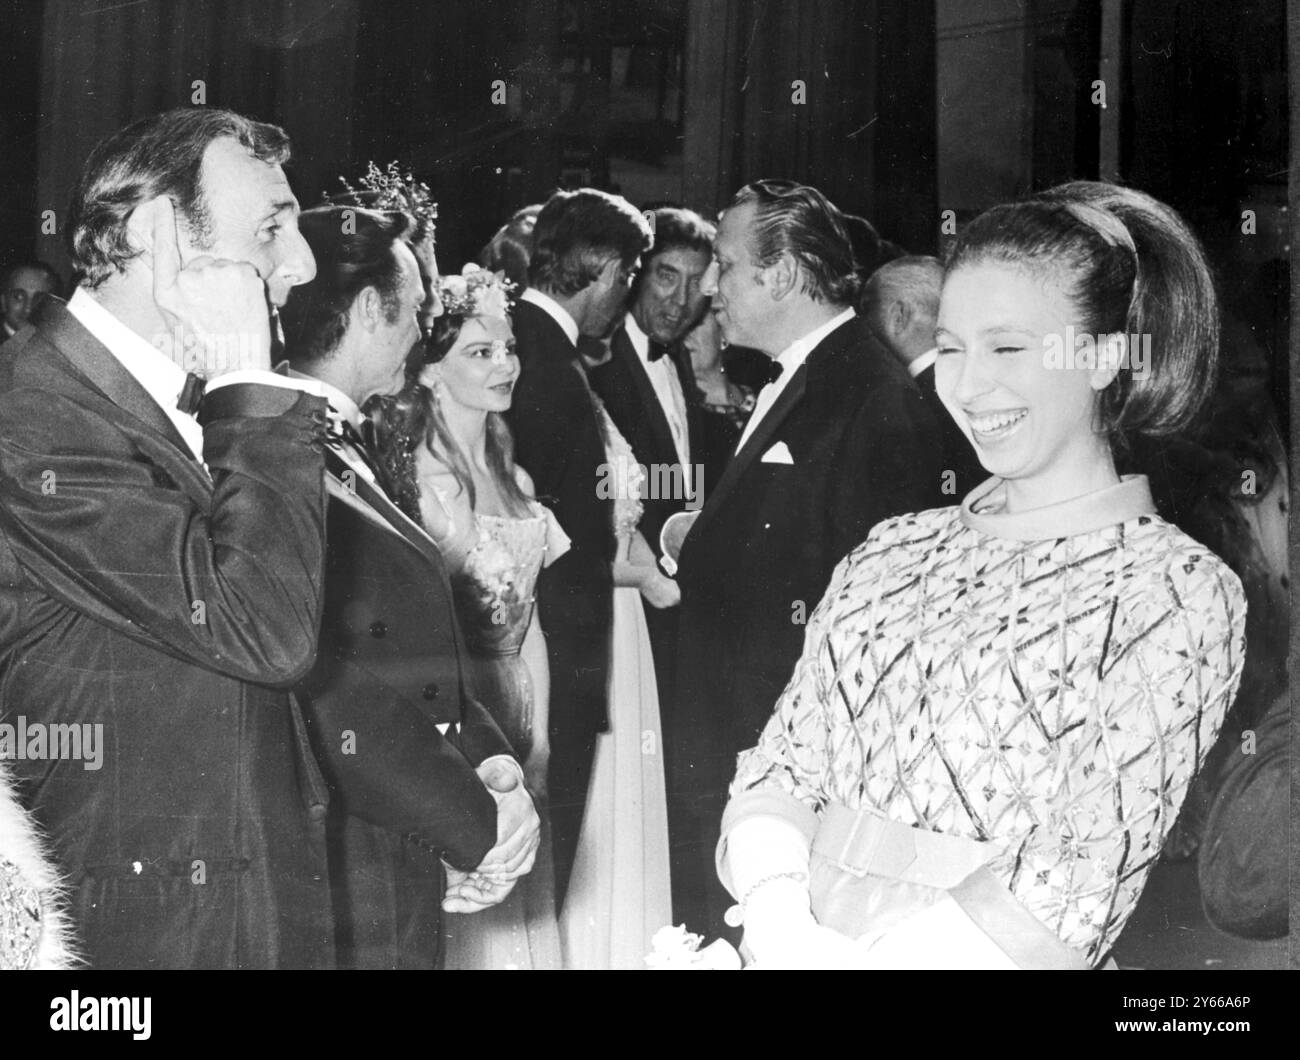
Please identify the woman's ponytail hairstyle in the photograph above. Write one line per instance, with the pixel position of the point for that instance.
(1131, 266)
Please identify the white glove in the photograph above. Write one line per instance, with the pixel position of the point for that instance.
(781, 933)
(767, 860)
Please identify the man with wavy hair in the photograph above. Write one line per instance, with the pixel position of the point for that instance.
(162, 557)
(841, 440)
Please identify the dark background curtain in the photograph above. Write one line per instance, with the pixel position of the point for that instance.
(106, 64)
(866, 134)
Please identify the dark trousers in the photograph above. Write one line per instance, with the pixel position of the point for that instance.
(699, 899)
(567, 778)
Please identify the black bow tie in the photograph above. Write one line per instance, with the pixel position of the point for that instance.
(659, 349)
(191, 394)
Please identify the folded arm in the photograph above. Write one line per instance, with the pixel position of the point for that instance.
(232, 583)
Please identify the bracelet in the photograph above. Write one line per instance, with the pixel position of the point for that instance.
(735, 916)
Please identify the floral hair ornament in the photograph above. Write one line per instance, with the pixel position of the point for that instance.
(388, 189)
(475, 293)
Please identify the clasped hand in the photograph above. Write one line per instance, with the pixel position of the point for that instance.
(518, 837)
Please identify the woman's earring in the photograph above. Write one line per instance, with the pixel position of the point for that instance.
(435, 389)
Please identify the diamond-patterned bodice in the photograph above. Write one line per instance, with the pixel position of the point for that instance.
(1054, 697)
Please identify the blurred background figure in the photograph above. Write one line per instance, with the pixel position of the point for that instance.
(21, 291)
(511, 249)
(722, 402)
(870, 250)
(900, 302)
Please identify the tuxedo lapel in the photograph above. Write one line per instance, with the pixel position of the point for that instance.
(647, 399)
(754, 447)
(96, 364)
(94, 361)
(361, 490)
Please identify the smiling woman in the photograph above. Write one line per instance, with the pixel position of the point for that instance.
(449, 458)
(1018, 690)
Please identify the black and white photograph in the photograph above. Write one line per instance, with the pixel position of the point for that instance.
(666, 485)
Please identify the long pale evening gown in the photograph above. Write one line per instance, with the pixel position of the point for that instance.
(495, 597)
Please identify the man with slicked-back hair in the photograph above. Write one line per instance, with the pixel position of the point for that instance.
(841, 440)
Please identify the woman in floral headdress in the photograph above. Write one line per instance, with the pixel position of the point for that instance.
(448, 454)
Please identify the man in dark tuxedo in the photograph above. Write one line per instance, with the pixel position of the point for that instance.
(161, 575)
(900, 303)
(841, 440)
(406, 751)
(645, 387)
(586, 247)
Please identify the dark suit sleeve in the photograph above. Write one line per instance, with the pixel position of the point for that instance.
(480, 738)
(389, 765)
(546, 405)
(235, 587)
(891, 461)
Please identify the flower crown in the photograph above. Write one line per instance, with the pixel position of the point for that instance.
(475, 292)
(388, 189)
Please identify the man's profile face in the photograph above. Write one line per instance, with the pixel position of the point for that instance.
(384, 368)
(741, 302)
(669, 303)
(252, 216)
(24, 290)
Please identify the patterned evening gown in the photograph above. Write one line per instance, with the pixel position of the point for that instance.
(1044, 683)
(494, 602)
(619, 895)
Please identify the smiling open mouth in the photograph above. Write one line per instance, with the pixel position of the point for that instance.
(990, 426)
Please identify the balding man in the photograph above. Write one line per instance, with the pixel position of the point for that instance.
(901, 303)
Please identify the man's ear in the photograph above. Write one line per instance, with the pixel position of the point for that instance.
(140, 229)
(898, 318)
(369, 309)
(782, 277)
(608, 275)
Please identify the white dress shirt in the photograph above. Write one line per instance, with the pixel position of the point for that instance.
(926, 360)
(162, 377)
(667, 387)
(790, 360)
(554, 310)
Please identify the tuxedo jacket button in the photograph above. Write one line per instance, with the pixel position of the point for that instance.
(317, 812)
(378, 629)
(429, 691)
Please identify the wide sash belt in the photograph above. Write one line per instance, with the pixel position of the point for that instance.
(869, 874)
